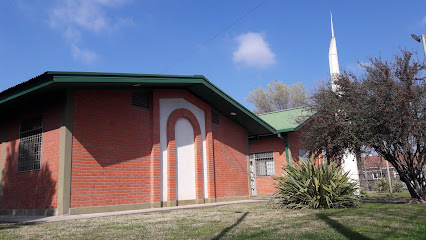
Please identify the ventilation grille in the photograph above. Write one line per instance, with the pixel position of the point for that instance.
(215, 117)
(141, 99)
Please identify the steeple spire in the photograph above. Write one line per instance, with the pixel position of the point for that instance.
(332, 58)
(332, 29)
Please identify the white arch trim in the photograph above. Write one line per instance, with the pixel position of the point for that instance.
(167, 106)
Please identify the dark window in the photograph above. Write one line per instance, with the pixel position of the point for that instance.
(30, 140)
(215, 117)
(265, 165)
(304, 155)
(141, 99)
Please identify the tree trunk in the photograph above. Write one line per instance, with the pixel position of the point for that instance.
(415, 180)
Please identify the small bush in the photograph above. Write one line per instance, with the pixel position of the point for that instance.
(383, 186)
(397, 186)
(310, 186)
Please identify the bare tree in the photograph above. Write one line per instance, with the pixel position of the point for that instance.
(383, 110)
(278, 96)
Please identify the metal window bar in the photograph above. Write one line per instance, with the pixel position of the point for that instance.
(30, 141)
(264, 164)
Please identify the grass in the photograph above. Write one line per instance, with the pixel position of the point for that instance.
(240, 221)
(404, 195)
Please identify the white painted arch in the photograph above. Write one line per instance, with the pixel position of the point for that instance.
(167, 106)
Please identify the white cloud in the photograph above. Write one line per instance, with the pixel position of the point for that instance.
(253, 51)
(423, 21)
(85, 55)
(72, 35)
(90, 16)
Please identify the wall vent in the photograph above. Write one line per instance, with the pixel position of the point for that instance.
(141, 99)
(215, 117)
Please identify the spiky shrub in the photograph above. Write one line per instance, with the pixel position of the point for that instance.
(309, 186)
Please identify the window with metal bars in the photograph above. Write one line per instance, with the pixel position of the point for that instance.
(265, 165)
(141, 99)
(30, 141)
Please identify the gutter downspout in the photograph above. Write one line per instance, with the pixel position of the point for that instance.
(287, 146)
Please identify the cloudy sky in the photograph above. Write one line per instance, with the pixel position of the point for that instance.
(237, 45)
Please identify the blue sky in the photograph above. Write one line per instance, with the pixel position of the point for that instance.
(280, 40)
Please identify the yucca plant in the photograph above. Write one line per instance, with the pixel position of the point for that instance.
(309, 186)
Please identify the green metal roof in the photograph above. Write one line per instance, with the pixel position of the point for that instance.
(196, 84)
(286, 120)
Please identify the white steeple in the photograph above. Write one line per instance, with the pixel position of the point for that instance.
(349, 160)
(332, 58)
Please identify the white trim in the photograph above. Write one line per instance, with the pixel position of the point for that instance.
(167, 106)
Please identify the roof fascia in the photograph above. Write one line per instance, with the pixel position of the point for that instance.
(117, 79)
(238, 105)
(80, 77)
(286, 130)
(26, 91)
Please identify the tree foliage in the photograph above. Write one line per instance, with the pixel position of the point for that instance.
(310, 186)
(278, 96)
(384, 110)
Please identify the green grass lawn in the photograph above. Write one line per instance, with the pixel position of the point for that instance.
(404, 195)
(240, 221)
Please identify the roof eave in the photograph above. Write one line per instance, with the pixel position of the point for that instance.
(54, 77)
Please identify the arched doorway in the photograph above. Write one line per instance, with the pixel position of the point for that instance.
(185, 160)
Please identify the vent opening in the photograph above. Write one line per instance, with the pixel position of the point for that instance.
(215, 117)
(141, 99)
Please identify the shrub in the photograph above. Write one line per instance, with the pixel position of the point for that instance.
(383, 186)
(310, 186)
(397, 186)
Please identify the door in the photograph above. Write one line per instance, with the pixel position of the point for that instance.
(253, 175)
(185, 160)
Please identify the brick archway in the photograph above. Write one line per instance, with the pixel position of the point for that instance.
(171, 153)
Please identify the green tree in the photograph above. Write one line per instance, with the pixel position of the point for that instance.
(384, 110)
(278, 96)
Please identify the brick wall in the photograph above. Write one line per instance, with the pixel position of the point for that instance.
(34, 189)
(295, 144)
(116, 157)
(265, 185)
(111, 150)
(230, 156)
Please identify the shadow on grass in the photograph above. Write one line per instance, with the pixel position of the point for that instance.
(342, 229)
(4, 226)
(13, 225)
(226, 230)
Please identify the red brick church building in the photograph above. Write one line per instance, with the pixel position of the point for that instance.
(74, 143)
